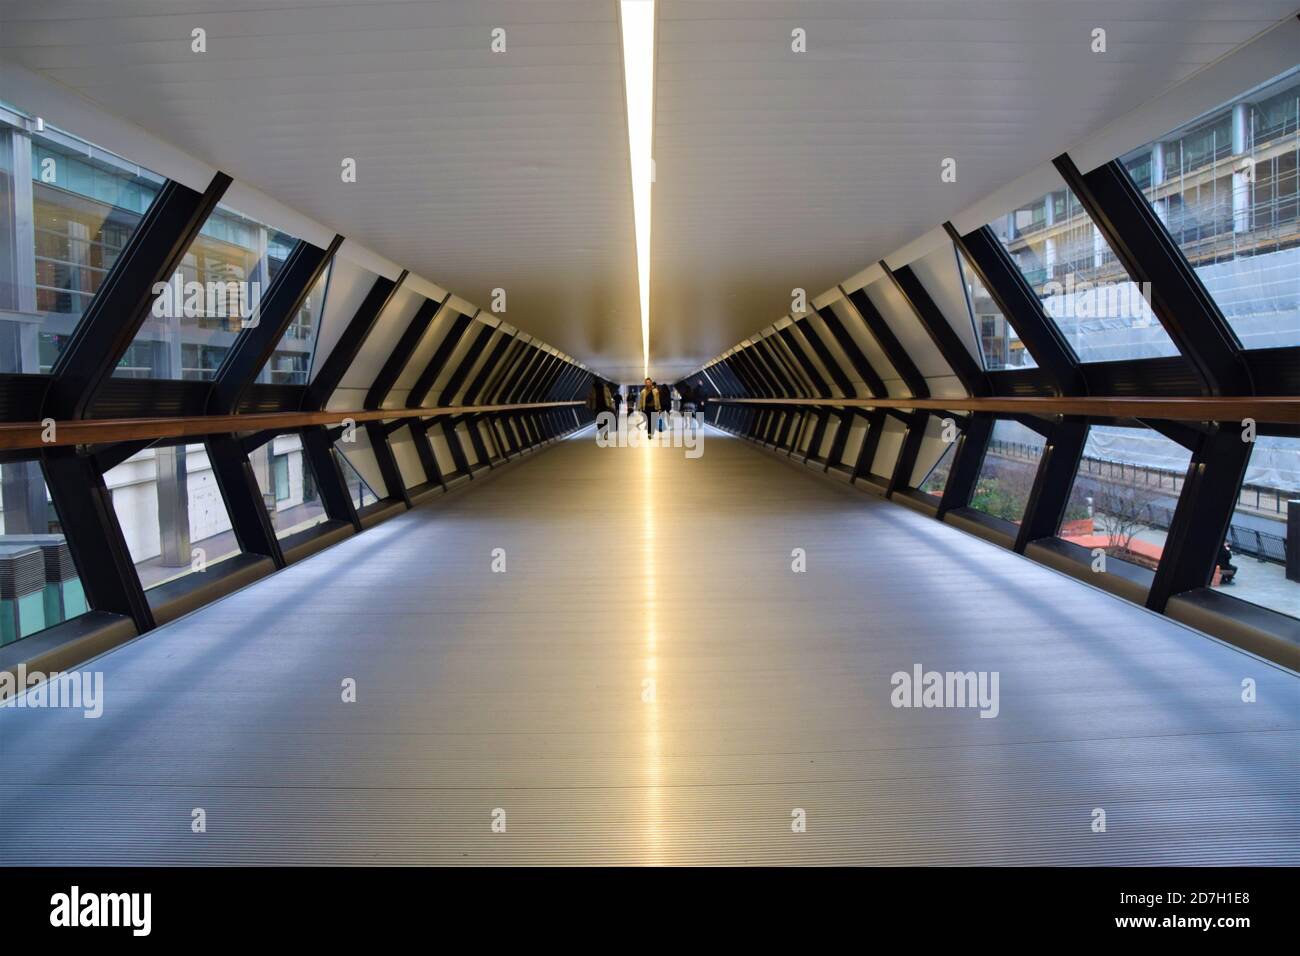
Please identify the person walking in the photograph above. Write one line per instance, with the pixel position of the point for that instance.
(688, 403)
(648, 402)
(599, 400)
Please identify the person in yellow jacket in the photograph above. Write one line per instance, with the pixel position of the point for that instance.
(650, 406)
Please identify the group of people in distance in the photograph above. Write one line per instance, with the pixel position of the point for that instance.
(652, 400)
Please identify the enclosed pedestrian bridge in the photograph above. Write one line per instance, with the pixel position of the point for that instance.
(639, 432)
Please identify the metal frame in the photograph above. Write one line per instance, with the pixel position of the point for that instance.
(255, 345)
(122, 304)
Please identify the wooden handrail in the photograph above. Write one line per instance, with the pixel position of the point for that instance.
(1218, 409)
(21, 435)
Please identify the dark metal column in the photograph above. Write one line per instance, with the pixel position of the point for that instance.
(1057, 469)
(114, 316)
(420, 390)
(243, 495)
(941, 333)
(1203, 513)
(1179, 300)
(1019, 305)
(321, 458)
(966, 461)
(94, 537)
(861, 364)
(255, 344)
(349, 345)
(402, 352)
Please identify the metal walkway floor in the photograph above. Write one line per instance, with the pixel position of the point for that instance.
(530, 692)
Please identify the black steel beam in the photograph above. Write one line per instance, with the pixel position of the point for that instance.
(909, 450)
(243, 496)
(109, 457)
(861, 364)
(767, 371)
(1144, 247)
(743, 370)
(256, 343)
(1020, 306)
(573, 379)
(114, 316)
(940, 330)
(966, 462)
(779, 359)
(318, 449)
(870, 444)
(476, 439)
(818, 383)
(1057, 467)
(762, 355)
(818, 416)
(386, 461)
(727, 369)
(545, 381)
(420, 390)
(402, 352)
(524, 373)
(424, 448)
(889, 343)
(835, 457)
(533, 382)
(760, 371)
(482, 334)
(349, 345)
(489, 367)
(824, 355)
(85, 509)
(505, 372)
(1202, 515)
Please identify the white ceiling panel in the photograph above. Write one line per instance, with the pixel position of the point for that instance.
(476, 170)
(777, 169)
(479, 170)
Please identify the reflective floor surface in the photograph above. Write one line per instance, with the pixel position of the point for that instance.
(640, 675)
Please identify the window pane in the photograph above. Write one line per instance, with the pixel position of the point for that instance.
(288, 486)
(361, 492)
(215, 293)
(171, 512)
(1226, 187)
(937, 479)
(290, 364)
(1255, 567)
(1100, 311)
(39, 586)
(1125, 492)
(67, 209)
(1007, 474)
(1000, 344)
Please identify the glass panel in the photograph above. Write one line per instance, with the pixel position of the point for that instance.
(39, 586)
(1125, 492)
(937, 479)
(288, 486)
(1253, 567)
(1226, 187)
(67, 209)
(361, 492)
(215, 293)
(171, 511)
(1000, 344)
(1100, 311)
(290, 364)
(1007, 473)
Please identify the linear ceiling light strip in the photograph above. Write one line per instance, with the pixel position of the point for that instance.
(638, 69)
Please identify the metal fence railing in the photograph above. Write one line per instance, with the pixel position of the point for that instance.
(1242, 538)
